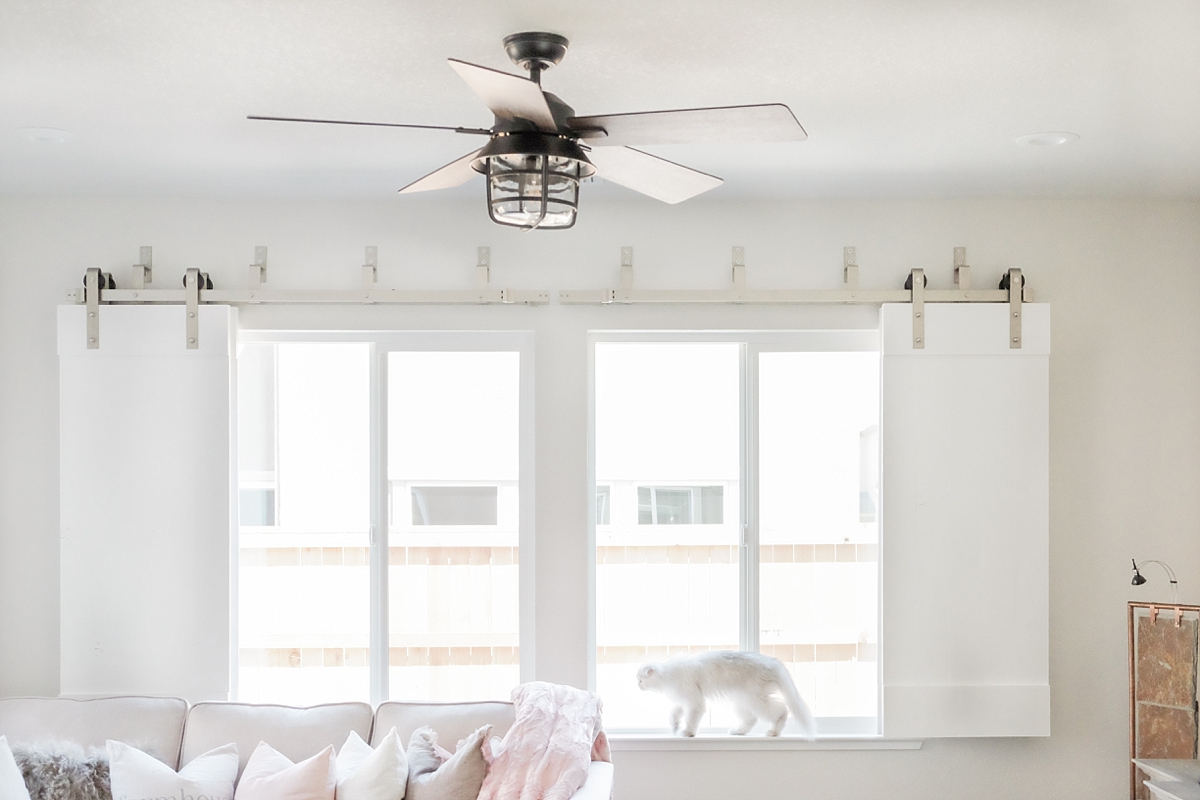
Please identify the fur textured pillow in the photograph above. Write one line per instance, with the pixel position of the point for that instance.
(63, 771)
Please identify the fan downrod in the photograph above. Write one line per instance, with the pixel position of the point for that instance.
(535, 51)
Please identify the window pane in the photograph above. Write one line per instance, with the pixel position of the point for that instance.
(667, 432)
(256, 507)
(672, 506)
(712, 505)
(819, 555)
(453, 457)
(453, 505)
(303, 455)
(602, 494)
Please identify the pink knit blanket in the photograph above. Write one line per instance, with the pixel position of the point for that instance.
(545, 754)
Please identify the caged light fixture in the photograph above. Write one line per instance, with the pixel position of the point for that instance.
(533, 179)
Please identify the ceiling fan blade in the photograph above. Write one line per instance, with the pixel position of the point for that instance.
(773, 122)
(453, 174)
(483, 131)
(661, 179)
(508, 96)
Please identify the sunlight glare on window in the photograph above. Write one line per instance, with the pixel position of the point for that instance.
(453, 469)
(667, 451)
(303, 459)
(818, 548)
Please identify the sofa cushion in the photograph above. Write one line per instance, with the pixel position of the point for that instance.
(154, 725)
(452, 721)
(297, 733)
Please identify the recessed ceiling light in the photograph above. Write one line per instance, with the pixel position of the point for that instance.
(47, 135)
(1048, 138)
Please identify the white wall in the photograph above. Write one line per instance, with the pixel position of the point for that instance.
(1123, 278)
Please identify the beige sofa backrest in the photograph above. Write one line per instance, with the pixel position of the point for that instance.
(151, 724)
(452, 721)
(298, 733)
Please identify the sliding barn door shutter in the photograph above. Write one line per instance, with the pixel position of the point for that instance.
(965, 534)
(146, 505)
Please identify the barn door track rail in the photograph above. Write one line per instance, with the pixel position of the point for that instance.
(914, 292)
(100, 287)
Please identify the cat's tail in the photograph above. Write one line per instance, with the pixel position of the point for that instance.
(795, 703)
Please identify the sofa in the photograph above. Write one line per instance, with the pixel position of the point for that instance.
(175, 732)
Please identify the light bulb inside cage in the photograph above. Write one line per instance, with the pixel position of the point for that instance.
(533, 179)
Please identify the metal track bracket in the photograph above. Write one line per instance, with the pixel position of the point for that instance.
(1016, 285)
(369, 271)
(258, 270)
(739, 271)
(91, 285)
(850, 268)
(483, 270)
(143, 271)
(191, 288)
(918, 308)
(962, 272)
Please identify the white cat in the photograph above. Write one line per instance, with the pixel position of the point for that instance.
(748, 680)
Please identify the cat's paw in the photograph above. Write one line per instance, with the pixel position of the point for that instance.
(740, 730)
(686, 732)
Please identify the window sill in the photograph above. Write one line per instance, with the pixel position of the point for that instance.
(629, 742)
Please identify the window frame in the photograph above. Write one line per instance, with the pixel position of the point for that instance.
(752, 343)
(382, 343)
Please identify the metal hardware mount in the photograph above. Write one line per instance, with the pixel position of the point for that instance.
(916, 294)
(99, 288)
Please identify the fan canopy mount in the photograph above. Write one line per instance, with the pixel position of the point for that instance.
(538, 150)
(536, 51)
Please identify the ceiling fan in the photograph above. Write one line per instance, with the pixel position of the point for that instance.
(538, 150)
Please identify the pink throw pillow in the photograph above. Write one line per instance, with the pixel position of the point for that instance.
(270, 775)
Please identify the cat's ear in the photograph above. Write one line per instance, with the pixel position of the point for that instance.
(649, 671)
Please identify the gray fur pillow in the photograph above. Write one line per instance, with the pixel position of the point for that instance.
(63, 771)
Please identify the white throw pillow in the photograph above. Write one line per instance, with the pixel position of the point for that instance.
(12, 785)
(138, 776)
(270, 775)
(364, 773)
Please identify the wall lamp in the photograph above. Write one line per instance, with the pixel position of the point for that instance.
(1139, 579)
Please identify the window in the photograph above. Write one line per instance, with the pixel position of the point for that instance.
(381, 516)
(681, 505)
(742, 473)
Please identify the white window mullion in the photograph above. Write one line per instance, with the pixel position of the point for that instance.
(379, 656)
(748, 499)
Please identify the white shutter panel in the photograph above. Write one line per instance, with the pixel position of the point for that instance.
(145, 432)
(965, 533)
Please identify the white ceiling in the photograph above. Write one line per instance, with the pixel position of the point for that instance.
(925, 97)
